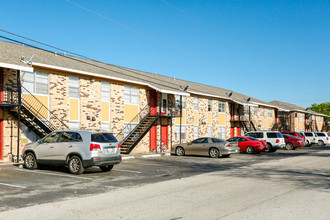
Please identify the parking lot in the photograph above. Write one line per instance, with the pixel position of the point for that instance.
(20, 187)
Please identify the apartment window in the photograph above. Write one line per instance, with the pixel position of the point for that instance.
(128, 127)
(74, 125)
(36, 82)
(73, 87)
(105, 92)
(209, 131)
(270, 113)
(195, 132)
(105, 126)
(246, 110)
(221, 107)
(131, 95)
(296, 115)
(209, 105)
(255, 111)
(177, 101)
(177, 132)
(262, 112)
(195, 103)
(222, 132)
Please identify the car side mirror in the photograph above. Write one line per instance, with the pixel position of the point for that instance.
(39, 141)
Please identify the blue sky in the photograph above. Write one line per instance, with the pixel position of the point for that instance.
(270, 50)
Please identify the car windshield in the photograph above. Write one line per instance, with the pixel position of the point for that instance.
(103, 138)
(300, 135)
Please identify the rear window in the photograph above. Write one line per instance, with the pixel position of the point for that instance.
(255, 135)
(252, 139)
(320, 134)
(274, 135)
(300, 135)
(308, 134)
(103, 138)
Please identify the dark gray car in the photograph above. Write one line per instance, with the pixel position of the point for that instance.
(76, 149)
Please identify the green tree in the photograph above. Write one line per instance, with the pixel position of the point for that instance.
(323, 108)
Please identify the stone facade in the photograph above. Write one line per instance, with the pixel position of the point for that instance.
(117, 109)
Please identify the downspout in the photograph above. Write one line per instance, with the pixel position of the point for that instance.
(19, 110)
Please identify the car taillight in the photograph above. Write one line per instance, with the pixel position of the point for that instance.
(277, 140)
(229, 145)
(327, 138)
(118, 146)
(94, 147)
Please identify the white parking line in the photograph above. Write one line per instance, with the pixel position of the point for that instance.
(145, 164)
(54, 174)
(12, 185)
(130, 171)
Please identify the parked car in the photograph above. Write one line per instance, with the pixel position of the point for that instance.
(292, 142)
(214, 147)
(322, 138)
(296, 134)
(310, 138)
(249, 145)
(76, 149)
(274, 139)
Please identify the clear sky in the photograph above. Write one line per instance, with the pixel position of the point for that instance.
(270, 50)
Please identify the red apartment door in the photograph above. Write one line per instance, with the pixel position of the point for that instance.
(153, 111)
(165, 135)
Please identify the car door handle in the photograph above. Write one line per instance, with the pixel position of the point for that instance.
(70, 146)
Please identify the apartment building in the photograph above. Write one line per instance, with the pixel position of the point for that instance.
(43, 91)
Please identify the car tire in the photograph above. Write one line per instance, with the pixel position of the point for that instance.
(75, 165)
(320, 143)
(214, 152)
(106, 168)
(308, 144)
(30, 161)
(226, 155)
(269, 147)
(289, 146)
(179, 151)
(249, 150)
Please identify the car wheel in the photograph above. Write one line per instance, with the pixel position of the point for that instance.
(249, 150)
(75, 165)
(308, 144)
(179, 151)
(269, 147)
(226, 155)
(30, 161)
(289, 146)
(320, 143)
(214, 153)
(106, 168)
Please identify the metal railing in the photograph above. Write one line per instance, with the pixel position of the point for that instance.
(9, 94)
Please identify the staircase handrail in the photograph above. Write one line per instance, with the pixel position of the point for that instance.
(27, 105)
(136, 118)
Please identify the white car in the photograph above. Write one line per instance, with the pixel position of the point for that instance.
(310, 138)
(274, 139)
(322, 138)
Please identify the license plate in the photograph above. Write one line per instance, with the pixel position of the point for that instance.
(109, 150)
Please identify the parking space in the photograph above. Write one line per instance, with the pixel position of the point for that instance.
(19, 186)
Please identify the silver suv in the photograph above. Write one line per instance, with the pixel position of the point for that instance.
(76, 149)
(274, 139)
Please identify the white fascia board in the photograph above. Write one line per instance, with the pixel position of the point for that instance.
(209, 95)
(298, 110)
(16, 67)
(283, 110)
(262, 104)
(107, 77)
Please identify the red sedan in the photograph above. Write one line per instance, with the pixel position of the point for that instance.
(292, 142)
(249, 144)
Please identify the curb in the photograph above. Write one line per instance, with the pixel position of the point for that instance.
(145, 156)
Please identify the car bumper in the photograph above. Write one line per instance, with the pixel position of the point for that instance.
(260, 148)
(230, 151)
(102, 161)
(278, 146)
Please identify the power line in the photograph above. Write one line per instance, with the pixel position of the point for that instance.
(155, 39)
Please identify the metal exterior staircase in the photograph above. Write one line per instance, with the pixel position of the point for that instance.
(29, 110)
(248, 126)
(135, 136)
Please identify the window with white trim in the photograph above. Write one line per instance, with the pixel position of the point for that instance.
(105, 91)
(246, 110)
(177, 132)
(131, 95)
(209, 131)
(222, 132)
(128, 127)
(195, 132)
(73, 87)
(209, 105)
(221, 108)
(74, 125)
(36, 82)
(177, 101)
(270, 113)
(196, 103)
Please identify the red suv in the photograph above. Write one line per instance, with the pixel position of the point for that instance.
(296, 134)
